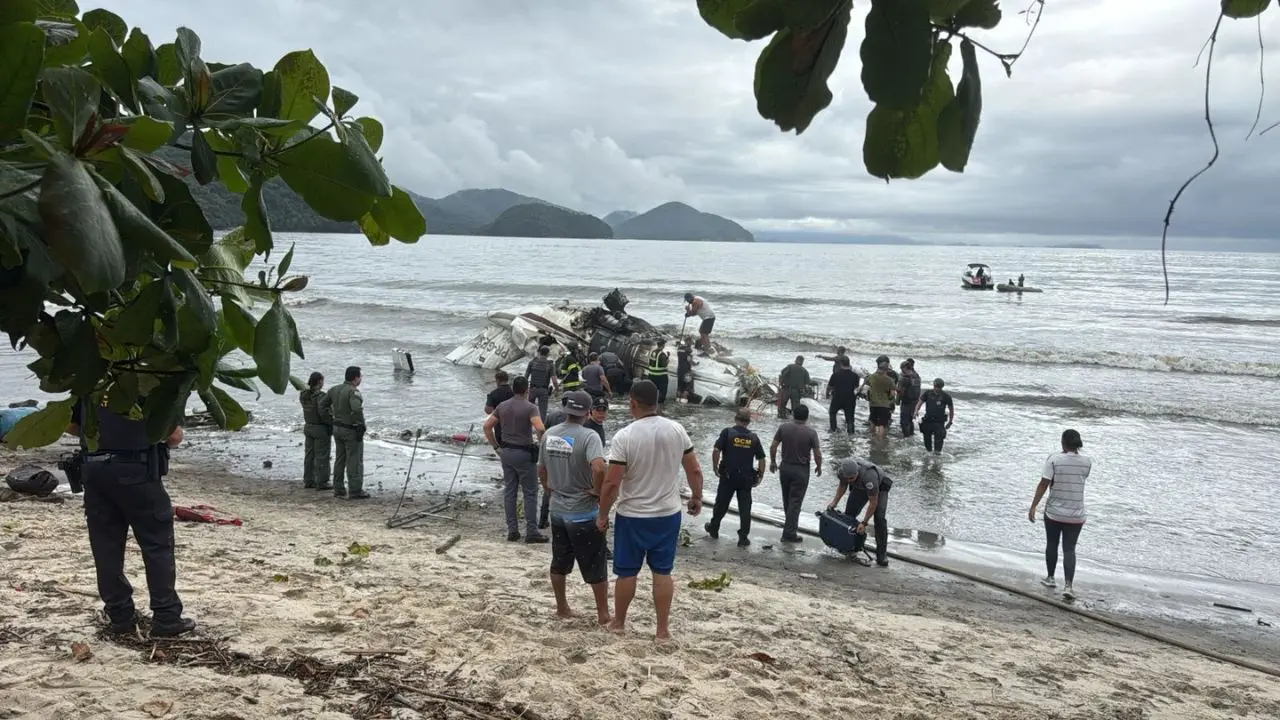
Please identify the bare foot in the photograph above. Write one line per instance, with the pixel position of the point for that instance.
(566, 614)
(615, 627)
(662, 638)
(603, 620)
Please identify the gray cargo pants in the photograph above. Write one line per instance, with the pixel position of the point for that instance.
(794, 478)
(520, 474)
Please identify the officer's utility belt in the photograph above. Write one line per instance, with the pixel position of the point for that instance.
(510, 446)
(541, 387)
(123, 456)
(347, 426)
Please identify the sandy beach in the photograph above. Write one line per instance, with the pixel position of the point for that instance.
(313, 608)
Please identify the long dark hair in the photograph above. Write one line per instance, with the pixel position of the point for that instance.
(315, 381)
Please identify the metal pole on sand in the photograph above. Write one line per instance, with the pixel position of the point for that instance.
(439, 509)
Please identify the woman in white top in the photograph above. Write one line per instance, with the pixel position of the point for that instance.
(1063, 476)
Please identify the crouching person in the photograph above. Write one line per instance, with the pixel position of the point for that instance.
(867, 485)
(571, 468)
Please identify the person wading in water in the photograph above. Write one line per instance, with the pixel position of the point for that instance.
(1063, 477)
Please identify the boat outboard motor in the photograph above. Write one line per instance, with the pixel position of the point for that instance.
(616, 302)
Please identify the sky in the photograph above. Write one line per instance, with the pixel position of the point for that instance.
(626, 104)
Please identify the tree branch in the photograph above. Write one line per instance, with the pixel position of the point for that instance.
(1262, 80)
(1036, 9)
(1213, 135)
(221, 153)
(304, 140)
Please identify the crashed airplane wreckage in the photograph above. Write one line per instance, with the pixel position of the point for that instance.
(512, 335)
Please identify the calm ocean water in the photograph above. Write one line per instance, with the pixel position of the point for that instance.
(1177, 404)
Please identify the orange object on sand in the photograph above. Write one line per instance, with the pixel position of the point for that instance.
(204, 514)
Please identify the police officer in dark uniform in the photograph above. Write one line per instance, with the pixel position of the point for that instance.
(738, 458)
(123, 490)
(868, 486)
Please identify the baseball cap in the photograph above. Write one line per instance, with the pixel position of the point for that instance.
(577, 403)
(600, 403)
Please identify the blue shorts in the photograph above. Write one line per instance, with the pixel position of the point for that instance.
(640, 540)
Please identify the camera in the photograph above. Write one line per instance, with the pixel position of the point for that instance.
(71, 465)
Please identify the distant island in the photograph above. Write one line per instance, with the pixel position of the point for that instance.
(476, 211)
(1077, 246)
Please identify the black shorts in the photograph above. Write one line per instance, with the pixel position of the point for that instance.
(881, 415)
(581, 542)
(684, 381)
(705, 327)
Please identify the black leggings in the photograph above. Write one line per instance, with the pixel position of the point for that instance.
(1070, 533)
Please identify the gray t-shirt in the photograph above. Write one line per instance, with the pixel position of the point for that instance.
(593, 376)
(567, 452)
(516, 418)
(798, 441)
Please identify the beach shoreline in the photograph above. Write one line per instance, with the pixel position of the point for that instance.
(816, 638)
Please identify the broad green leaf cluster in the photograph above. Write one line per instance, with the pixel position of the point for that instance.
(109, 269)
(919, 120)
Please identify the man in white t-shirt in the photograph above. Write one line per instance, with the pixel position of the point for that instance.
(645, 459)
(695, 305)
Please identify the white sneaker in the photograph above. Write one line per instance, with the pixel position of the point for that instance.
(1049, 582)
(1068, 593)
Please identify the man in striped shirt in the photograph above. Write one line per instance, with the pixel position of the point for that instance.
(1063, 477)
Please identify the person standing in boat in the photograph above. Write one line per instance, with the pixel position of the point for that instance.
(1063, 477)
(1021, 279)
(695, 305)
(656, 373)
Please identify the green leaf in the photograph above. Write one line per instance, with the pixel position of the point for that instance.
(368, 174)
(236, 91)
(146, 134)
(286, 261)
(204, 164)
(302, 77)
(238, 383)
(295, 340)
(166, 404)
(57, 8)
(187, 52)
(197, 298)
(78, 360)
(181, 217)
(42, 427)
(762, 18)
(792, 71)
(268, 125)
(169, 330)
(896, 53)
(222, 265)
(21, 55)
(900, 143)
(142, 175)
(269, 103)
(107, 21)
(136, 226)
(122, 396)
(66, 42)
(212, 405)
(136, 323)
(72, 95)
(112, 68)
(344, 100)
(941, 11)
(721, 15)
(372, 230)
(958, 123)
(78, 226)
(983, 14)
(399, 216)
(139, 55)
(240, 324)
(233, 415)
(1244, 8)
(271, 347)
(372, 131)
(328, 178)
(229, 171)
(168, 68)
(257, 224)
(18, 11)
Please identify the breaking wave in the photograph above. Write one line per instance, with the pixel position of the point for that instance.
(1014, 354)
(1228, 320)
(1224, 414)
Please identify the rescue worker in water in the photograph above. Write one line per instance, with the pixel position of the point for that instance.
(657, 370)
(123, 490)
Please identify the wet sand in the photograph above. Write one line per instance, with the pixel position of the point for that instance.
(478, 620)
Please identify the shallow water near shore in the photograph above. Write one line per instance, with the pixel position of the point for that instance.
(1176, 404)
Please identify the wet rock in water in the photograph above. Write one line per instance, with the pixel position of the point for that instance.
(24, 404)
(266, 464)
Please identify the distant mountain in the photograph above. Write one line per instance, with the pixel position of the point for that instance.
(617, 217)
(820, 237)
(446, 220)
(677, 221)
(540, 220)
(483, 206)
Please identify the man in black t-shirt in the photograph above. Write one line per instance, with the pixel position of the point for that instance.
(843, 389)
(496, 397)
(738, 459)
(939, 413)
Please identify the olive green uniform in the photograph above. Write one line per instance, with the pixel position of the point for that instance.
(317, 428)
(348, 439)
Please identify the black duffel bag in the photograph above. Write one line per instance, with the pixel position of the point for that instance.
(32, 480)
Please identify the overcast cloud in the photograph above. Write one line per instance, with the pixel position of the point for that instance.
(624, 104)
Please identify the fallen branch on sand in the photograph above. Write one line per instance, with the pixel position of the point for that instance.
(448, 544)
(368, 683)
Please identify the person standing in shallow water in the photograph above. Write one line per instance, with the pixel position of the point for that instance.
(348, 437)
(317, 429)
(939, 413)
(1063, 477)
(842, 388)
